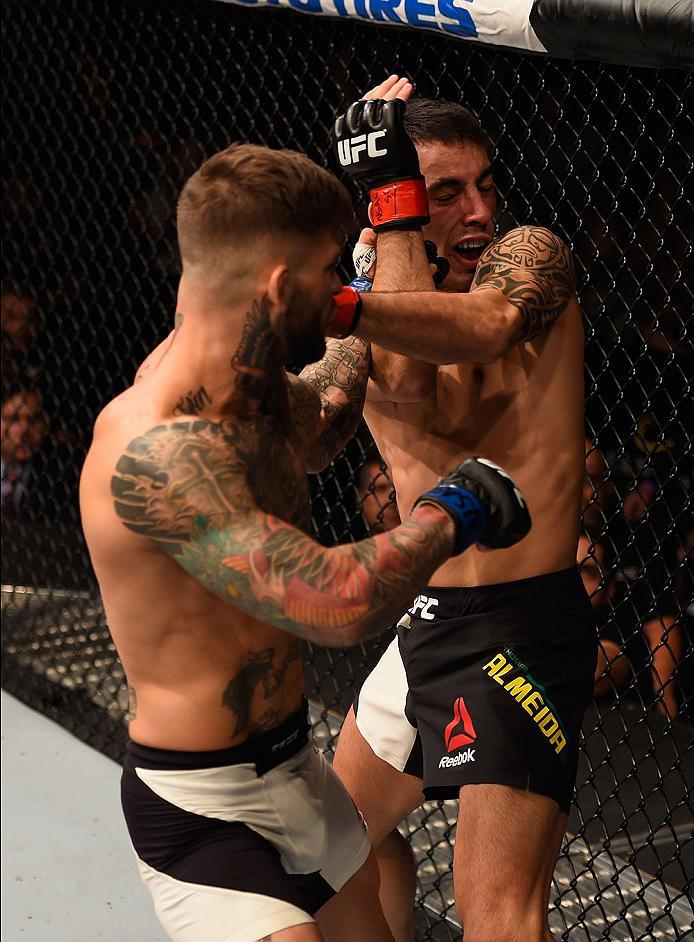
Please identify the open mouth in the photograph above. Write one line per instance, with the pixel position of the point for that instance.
(469, 250)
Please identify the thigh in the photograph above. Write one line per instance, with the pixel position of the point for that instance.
(507, 844)
(307, 933)
(383, 794)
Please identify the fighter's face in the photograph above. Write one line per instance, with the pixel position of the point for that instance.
(462, 203)
(314, 282)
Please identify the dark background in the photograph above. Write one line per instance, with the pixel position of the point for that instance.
(109, 106)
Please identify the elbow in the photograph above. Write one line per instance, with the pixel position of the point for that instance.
(502, 335)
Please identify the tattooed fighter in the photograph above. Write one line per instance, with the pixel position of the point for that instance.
(481, 695)
(195, 508)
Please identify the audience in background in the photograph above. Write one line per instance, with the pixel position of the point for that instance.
(23, 429)
(20, 321)
(621, 651)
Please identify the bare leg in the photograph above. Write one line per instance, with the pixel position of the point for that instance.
(664, 636)
(612, 668)
(384, 796)
(355, 912)
(305, 933)
(506, 849)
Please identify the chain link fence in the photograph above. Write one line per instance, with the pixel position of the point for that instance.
(108, 108)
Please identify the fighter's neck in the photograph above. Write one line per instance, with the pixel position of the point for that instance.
(229, 361)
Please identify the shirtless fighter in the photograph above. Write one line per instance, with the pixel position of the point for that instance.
(195, 507)
(481, 695)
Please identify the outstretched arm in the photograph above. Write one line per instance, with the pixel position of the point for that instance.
(327, 399)
(523, 283)
(186, 486)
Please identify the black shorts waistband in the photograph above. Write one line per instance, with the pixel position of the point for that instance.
(550, 590)
(264, 751)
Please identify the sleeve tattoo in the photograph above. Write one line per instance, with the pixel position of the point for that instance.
(185, 486)
(535, 271)
(340, 379)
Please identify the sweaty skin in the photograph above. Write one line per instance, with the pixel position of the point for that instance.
(195, 507)
(490, 365)
(509, 385)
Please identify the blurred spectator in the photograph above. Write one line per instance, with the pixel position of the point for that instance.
(612, 669)
(662, 634)
(20, 322)
(377, 495)
(22, 432)
(598, 492)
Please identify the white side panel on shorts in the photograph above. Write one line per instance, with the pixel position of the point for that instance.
(381, 715)
(300, 807)
(193, 913)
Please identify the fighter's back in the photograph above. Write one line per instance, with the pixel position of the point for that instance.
(202, 673)
(523, 411)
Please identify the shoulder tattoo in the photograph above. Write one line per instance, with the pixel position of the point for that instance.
(535, 271)
(173, 477)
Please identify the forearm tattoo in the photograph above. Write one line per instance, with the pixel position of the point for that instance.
(340, 379)
(216, 496)
(534, 269)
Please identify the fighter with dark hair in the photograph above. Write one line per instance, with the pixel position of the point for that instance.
(196, 511)
(481, 695)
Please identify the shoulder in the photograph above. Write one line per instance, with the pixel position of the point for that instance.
(172, 475)
(534, 271)
(532, 249)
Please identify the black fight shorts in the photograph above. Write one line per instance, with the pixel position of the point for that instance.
(486, 685)
(237, 844)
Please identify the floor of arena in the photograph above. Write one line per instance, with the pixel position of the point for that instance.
(67, 867)
(61, 640)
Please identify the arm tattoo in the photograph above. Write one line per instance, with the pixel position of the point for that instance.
(195, 489)
(340, 379)
(534, 270)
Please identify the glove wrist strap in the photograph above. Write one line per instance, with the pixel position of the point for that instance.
(400, 205)
(468, 513)
(346, 314)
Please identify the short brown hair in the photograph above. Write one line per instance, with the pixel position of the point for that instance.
(247, 191)
(444, 122)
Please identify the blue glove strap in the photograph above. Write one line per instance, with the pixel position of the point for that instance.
(361, 284)
(470, 516)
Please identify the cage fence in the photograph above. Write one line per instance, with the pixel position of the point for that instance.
(108, 108)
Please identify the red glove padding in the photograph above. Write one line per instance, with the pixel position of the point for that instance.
(400, 205)
(346, 313)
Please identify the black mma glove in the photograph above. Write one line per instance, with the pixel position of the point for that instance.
(484, 504)
(374, 148)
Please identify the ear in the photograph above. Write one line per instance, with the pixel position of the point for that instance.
(277, 292)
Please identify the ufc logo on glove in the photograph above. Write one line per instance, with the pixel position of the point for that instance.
(348, 150)
(374, 148)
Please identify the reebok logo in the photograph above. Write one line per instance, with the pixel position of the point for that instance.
(348, 151)
(460, 731)
(451, 761)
